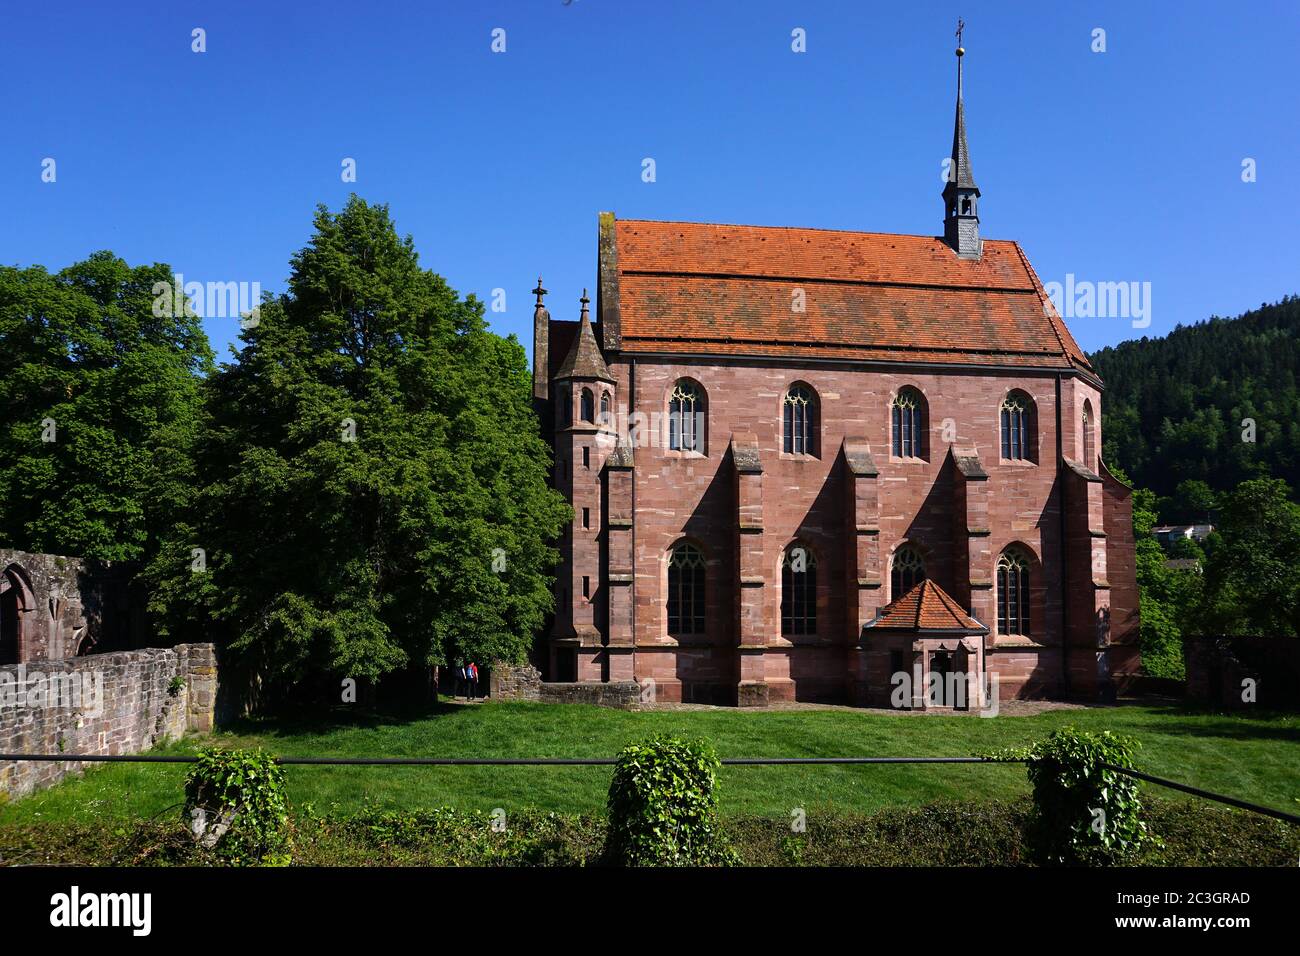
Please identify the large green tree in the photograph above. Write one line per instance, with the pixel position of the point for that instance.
(99, 398)
(374, 488)
(1252, 575)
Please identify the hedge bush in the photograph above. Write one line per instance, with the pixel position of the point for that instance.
(663, 806)
(1084, 814)
(1192, 833)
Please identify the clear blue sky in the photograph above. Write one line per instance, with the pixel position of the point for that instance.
(1115, 166)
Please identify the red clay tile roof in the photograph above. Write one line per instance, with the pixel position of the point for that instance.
(927, 607)
(706, 288)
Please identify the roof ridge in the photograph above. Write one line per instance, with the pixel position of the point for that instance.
(947, 601)
(840, 232)
(920, 600)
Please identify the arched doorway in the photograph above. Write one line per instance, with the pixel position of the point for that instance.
(15, 603)
(941, 671)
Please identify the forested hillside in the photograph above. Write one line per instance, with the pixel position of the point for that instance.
(1206, 424)
(1173, 408)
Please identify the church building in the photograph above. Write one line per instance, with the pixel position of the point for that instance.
(812, 465)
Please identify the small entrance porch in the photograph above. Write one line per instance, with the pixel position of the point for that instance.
(935, 652)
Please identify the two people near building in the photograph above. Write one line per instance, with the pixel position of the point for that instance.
(466, 681)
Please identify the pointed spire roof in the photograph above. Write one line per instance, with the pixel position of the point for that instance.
(927, 607)
(584, 359)
(960, 176)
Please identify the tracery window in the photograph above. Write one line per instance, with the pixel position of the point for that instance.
(686, 590)
(798, 591)
(686, 417)
(1013, 593)
(800, 419)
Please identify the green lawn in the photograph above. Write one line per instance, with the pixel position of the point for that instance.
(1255, 758)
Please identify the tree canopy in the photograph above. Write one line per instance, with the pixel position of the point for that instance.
(372, 485)
(99, 402)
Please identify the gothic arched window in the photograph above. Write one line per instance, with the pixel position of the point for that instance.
(1013, 593)
(16, 601)
(1018, 430)
(587, 406)
(604, 410)
(906, 572)
(686, 590)
(798, 591)
(1089, 438)
(800, 420)
(907, 420)
(686, 417)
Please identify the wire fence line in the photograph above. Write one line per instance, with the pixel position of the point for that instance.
(610, 761)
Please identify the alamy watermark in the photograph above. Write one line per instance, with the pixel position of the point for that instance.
(208, 300)
(82, 691)
(960, 690)
(1084, 299)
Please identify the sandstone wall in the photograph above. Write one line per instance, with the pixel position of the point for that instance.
(683, 496)
(102, 704)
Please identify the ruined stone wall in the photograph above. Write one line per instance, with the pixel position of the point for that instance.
(53, 604)
(56, 606)
(510, 682)
(525, 683)
(118, 703)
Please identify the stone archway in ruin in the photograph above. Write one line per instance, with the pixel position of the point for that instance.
(16, 607)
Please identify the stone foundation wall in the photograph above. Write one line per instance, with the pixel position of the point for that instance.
(622, 694)
(525, 683)
(102, 704)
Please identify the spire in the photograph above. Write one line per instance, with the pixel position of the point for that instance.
(584, 359)
(960, 194)
(541, 346)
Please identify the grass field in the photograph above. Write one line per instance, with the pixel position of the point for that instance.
(1255, 758)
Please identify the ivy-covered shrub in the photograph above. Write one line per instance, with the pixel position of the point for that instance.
(1084, 814)
(663, 806)
(235, 806)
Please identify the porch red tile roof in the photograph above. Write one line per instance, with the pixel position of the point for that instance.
(927, 607)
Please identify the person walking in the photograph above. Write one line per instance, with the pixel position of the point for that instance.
(473, 680)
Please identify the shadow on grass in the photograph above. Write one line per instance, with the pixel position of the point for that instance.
(320, 721)
(1256, 724)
